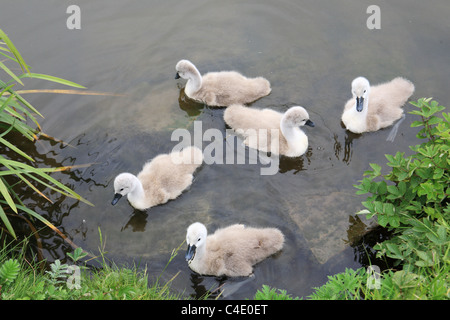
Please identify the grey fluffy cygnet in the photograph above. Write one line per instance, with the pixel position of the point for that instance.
(271, 131)
(220, 88)
(230, 251)
(163, 178)
(375, 107)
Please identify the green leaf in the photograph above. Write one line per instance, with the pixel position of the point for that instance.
(394, 221)
(8, 225)
(382, 219)
(393, 190)
(376, 169)
(9, 271)
(427, 258)
(52, 79)
(415, 124)
(394, 251)
(14, 51)
(57, 186)
(401, 188)
(382, 187)
(438, 173)
(5, 193)
(11, 74)
(15, 149)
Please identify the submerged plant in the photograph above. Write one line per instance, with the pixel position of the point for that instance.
(16, 114)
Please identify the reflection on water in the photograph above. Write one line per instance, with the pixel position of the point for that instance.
(309, 50)
(137, 222)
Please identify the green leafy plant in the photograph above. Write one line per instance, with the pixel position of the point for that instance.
(9, 271)
(77, 254)
(412, 199)
(342, 286)
(398, 285)
(58, 272)
(16, 114)
(268, 293)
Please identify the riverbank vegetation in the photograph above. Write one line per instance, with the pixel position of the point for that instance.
(17, 115)
(21, 279)
(412, 201)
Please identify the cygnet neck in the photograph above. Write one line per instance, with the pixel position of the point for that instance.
(201, 252)
(197, 262)
(194, 82)
(290, 133)
(137, 195)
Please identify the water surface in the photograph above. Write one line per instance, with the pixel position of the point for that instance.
(309, 50)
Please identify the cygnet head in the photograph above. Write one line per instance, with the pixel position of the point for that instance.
(297, 116)
(123, 184)
(360, 91)
(185, 69)
(195, 238)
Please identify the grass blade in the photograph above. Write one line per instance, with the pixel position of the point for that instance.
(14, 51)
(60, 91)
(11, 74)
(8, 225)
(52, 79)
(15, 149)
(5, 193)
(59, 186)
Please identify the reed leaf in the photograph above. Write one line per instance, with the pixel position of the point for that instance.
(6, 222)
(52, 79)
(11, 74)
(43, 220)
(16, 113)
(5, 193)
(15, 149)
(14, 51)
(58, 186)
(46, 170)
(21, 177)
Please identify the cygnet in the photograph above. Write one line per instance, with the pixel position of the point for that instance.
(220, 88)
(230, 251)
(375, 107)
(271, 131)
(161, 179)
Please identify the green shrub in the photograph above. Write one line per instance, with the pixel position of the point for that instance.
(342, 286)
(412, 199)
(390, 285)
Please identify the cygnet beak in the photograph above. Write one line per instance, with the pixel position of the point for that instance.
(310, 123)
(190, 253)
(359, 103)
(117, 197)
(177, 76)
